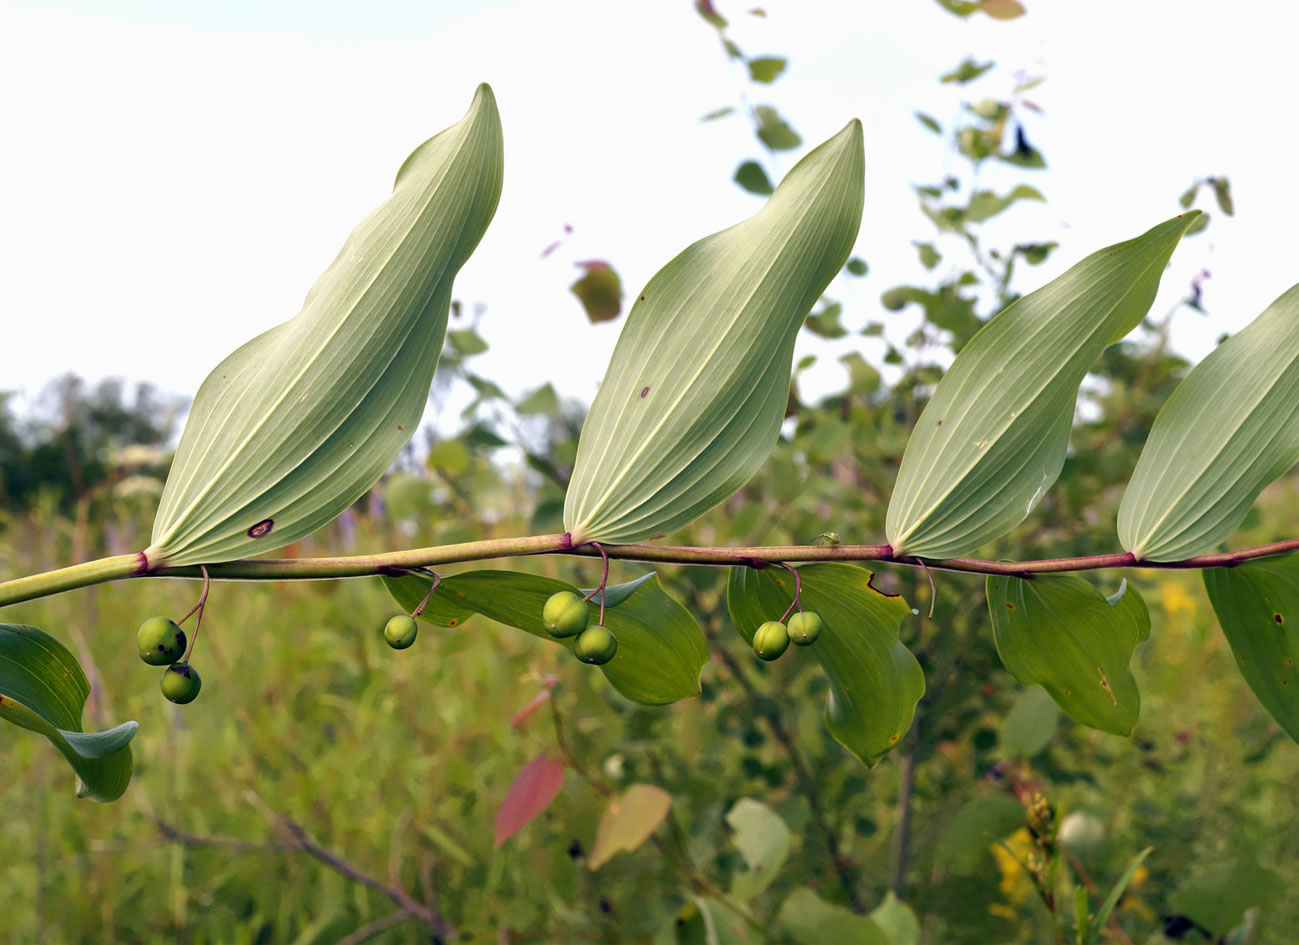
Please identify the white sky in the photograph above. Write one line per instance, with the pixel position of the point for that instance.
(175, 175)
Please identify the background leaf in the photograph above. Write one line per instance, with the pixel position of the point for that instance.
(696, 391)
(1227, 431)
(1059, 631)
(530, 793)
(763, 840)
(599, 290)
(875, 682)
(810, 920)
(628, 821)
(661, 649)
(1257, 604)
(295, 425)
(43, 689)
(993, 437)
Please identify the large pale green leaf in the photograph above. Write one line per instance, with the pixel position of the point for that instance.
(661, 649)
(296, 424)
(810, 920)
(695, 393)
(42, 688)
(1257, 604)
(992, 438)
(1227, 431)
(1059, 631)
(875, 682)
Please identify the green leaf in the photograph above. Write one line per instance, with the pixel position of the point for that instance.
(767, 69)
(825, 323)
(299, 422)
(875, 682)
(43, 689)
(1029, 725)
(1092, 934)
(810, 920)
(930, 122)
(896, 920)
(1222, 192)
(1059, 631)
(976, 826)
(993, 437)
(857, 266)
(706, 9)
(1217, 895)
(960, 8)
(968, 70)
(717, 113)
(696, 390)
(439, 609)
(1227, 431)
(751, 176)
(1257, 604)
(599, 290)
(984, 204)
(467, 341)
(661, 649)
(541, 402)
(929, 256)
(763, 840)
(774, 131)
(628, 821)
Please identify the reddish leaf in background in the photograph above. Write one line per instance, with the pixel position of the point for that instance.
(599, 291)
(531, 793)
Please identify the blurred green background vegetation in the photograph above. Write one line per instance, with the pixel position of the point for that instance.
(325, 788)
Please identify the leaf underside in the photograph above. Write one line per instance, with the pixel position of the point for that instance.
(295, 425)
(1230, 428)
(696, 390)
(993, 437)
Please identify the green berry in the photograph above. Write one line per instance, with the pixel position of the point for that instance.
(400, 631)
(180, 683)
(595, 645)
(565, 614)
(804, 628)
(160, 641)
(771, 640)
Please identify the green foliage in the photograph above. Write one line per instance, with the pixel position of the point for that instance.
(1227, 431)
(1059, 631)
(43, 689)
(660, 649)
(299, 422)
(696, 390)
(993, 437)
(875, 682)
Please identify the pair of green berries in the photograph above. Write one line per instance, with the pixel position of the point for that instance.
(566, 615)
(773, 637)
(161, 642)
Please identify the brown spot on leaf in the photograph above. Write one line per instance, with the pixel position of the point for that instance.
(452, 622)
(262, 528)
(893, 739)
(1278, 618)
(400, 427)
(940, 423)
(644, 391)
(1009, 605)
